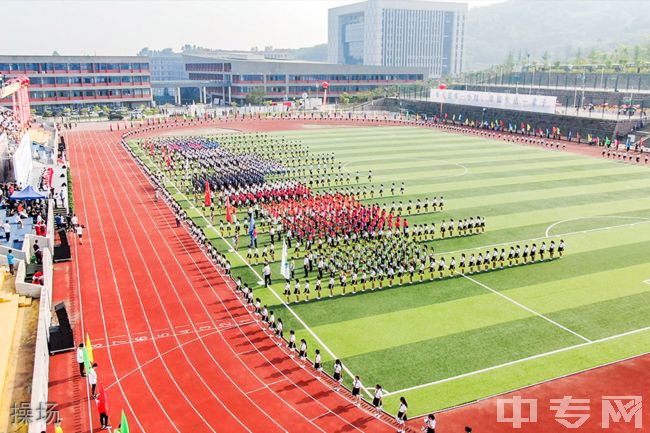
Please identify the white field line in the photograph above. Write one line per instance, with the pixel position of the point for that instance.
(599, 229)
(530, 310)
(548, 229)
(293, 313)
(519, 361)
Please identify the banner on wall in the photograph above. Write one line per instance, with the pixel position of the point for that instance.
(533, 103)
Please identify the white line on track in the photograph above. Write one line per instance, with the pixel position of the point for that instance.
(267, 385)
(519, 361)
(522, 306)
(271, 363)
(289, 406)
(99, 299)
(210, 390)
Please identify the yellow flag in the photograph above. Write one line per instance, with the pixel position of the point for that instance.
(89, 348)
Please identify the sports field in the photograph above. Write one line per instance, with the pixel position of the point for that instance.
(444, 343)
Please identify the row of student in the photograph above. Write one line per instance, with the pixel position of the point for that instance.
(385, 276)
(301, 349)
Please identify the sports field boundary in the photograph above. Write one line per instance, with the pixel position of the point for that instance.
(530, 310)
(530, 358)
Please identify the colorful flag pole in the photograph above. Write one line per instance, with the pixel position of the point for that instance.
(124, 424)
(208, 197)
(89, 348)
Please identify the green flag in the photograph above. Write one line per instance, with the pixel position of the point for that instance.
(124, 424)
(87, 363)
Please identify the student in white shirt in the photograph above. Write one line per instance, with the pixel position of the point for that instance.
(377, 400)
(338, 376)
(401, 414)
(80, 360)
(317, 364)
(430, 423)
(356, 390)
(92, 379)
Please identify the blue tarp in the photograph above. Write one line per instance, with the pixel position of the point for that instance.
(27, 194)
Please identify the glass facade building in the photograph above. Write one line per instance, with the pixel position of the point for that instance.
(401, 33)
(282, 80)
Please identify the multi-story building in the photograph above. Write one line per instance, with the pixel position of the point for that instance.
(168, 66)
(57, 82)
(399, 33)
(232, 79)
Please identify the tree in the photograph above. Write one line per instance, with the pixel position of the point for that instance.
(509, 63)
(344, 98)
(578, 58)
(256, 97)
(55, 53)
(545, 58)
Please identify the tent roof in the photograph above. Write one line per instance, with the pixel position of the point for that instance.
(26, 194)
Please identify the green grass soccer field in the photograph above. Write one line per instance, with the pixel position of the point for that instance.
(447, 342)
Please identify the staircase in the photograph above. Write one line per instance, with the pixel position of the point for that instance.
(7, 295)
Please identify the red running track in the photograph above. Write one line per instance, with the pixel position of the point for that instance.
(178, 350)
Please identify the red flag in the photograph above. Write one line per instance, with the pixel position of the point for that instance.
(228, 210)
(208, 198)
(101, 400)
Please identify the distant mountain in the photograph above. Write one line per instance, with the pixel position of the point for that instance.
(559, 27)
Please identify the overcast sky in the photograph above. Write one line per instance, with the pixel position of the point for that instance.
(123, 27)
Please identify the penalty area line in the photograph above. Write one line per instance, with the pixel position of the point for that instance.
(530, 310)
(529, 358)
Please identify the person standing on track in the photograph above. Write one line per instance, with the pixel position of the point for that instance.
(79, 231)
(338, 376)
(80, 360)
(292, 342)
(92, 379)
(318, 366)
(302, 354)
(401, 414)
(356, 390)
(377, 400)
(430, 424)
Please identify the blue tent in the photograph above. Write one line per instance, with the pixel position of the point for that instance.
(27, 194)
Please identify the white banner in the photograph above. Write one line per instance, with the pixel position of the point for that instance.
(284, 264)
(535, 103)
(23, 160)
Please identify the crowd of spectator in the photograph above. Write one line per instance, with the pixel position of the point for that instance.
(9, 125)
